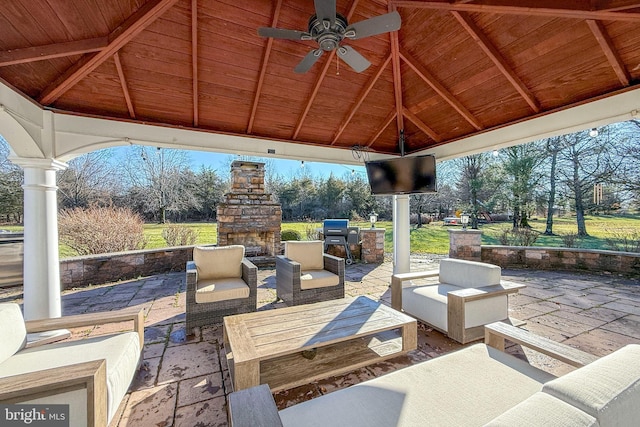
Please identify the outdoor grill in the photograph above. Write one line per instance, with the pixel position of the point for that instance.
(338, 232)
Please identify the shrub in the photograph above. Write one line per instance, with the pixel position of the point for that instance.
(624, 240)
(99, 230)
(290, 235)
(413, 218)
(179, 235)
(518, 237)
(571, 240)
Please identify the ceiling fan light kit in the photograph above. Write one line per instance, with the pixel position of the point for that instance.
(329, 28)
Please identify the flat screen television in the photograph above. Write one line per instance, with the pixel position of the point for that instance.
(402, 175)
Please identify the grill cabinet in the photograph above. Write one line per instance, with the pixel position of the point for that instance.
(338, 232)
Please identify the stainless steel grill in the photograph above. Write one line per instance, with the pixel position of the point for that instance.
(338, 232)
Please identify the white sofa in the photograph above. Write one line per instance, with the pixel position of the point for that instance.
(91, 375)
(467, 296)
(478, 385)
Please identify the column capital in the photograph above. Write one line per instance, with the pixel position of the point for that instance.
(32, 162)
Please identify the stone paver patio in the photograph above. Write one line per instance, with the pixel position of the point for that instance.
(184, 380)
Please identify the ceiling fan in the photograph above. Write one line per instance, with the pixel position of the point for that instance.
(328, 28)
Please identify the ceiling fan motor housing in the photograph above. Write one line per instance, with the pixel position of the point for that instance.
(328, 38)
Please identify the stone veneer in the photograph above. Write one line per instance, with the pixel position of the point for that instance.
(465, 244)
(249, 216)
(372, 245)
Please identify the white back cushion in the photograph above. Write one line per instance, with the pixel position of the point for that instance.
(309, 254)
(218, 262)
(13, 334)
(607, 389)
(468, 274)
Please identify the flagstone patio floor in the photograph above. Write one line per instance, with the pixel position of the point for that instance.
(184, 379)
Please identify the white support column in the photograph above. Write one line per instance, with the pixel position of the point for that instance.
(41, 259)
(401, 234)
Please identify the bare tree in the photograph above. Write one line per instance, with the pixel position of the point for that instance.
(553, 146)
(89, 179)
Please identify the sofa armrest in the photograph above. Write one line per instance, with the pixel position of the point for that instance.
(134, 314)
(253, 407)
(250, 273)
(333, 264)
(91, 376)
(471, 294)
(397, 280)
(497, 332)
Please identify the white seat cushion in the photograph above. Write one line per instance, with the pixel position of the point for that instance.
(121, 351)
(428, 303)
(607, 389)
(313, 279)
(221, 290)
(467, 387)
(543, 410)
(218, 262)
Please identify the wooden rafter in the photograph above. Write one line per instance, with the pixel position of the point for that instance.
(136, 23)
(263, 68)
(385, 124)
(123, 83)
(551, 9)
(50, 51)
(360, 99)
(440, 90)
(609, 50)
(421, 125)
(497, 58)
(194, 61)
(320, 79)
(397, 78)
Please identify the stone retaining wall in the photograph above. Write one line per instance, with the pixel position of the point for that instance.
(543, 258)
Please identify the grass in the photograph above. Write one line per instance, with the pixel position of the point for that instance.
(432, 238)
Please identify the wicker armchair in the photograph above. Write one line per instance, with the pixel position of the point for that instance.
(306, 275)
(220, 282)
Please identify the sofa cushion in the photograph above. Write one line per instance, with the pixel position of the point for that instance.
(121, 351)
(218, 262)
(428, 303)
(607, 389)
(543, 410)
(221, 290)
(309, 254)
(468, 387)
(468, 274)
(312, 279)
(13, 334)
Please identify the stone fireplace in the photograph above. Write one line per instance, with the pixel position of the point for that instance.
(248, 216)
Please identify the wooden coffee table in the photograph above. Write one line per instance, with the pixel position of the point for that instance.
(292, 346)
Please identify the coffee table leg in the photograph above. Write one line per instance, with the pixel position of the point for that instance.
(247, 374)
(410, 336)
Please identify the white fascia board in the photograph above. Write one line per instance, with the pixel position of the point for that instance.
(77, 135)
(613, 109)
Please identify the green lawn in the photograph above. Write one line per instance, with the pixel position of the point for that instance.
(433, 238)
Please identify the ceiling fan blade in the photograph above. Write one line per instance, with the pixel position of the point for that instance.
(279, 33)
(374, 26)
(353, 58)
(308, 61)
(326, 12)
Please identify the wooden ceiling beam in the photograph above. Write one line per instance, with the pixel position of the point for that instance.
(494, 54)
(387, 121)
(421, 125)
(440, 90)
(549, 8)
(194, 62)
(136, 23)
(319, 81)
(56, 50)
(610, 51)
(263, 68)
(123, 83)
(616, 5)
(363, 94)
(397, 80)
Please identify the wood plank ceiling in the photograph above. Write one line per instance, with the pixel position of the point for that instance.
(455, 68)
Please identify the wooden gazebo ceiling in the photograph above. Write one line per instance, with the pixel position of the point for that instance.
(455, 68)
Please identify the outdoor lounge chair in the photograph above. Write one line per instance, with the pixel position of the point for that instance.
(91, 375)
(467, 296)
(479, 385)
(220, 282)
(305, 274)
